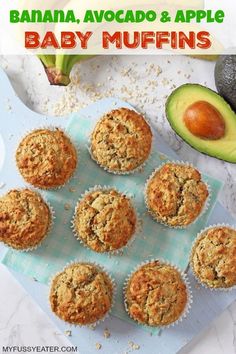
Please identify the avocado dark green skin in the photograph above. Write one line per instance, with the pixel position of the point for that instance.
(225, 78)
(188, 143)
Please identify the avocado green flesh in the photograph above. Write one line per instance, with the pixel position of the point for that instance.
(181, 99)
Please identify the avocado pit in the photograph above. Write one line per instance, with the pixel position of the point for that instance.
(203, 120)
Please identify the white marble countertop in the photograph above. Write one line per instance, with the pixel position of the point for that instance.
(144, 82)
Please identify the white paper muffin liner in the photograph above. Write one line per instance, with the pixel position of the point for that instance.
(53, 128)
(137, 226)
(114, 291)
(105, 168)
(198, 237)
(185, 279)
(52, 219)
(204, 208)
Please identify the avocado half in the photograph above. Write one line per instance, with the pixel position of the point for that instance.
(184, 96)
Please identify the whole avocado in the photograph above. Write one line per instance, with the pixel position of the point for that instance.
(225, 78)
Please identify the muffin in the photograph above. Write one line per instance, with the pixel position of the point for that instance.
(176, 195)
(46, 158)
(156, 294)
(81, 294)
(213, 257)
(24, 219)
(104, 220)
(121, 141)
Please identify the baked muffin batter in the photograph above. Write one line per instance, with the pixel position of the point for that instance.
(105, 220)
(176, 194)
(24, 219)
(121, 141)
(46, 158)
(81, 294)
(213, 257)
(156, 295)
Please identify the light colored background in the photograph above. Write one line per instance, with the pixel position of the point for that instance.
(144, 82)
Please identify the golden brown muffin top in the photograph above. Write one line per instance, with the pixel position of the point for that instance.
(213, 257)
(46, 158)
(81, 294)
(156, 295)
(121, 140)
(24, 219)
(105, 220)
(176, 194)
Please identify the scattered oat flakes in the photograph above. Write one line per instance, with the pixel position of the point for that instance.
(9, 108)
(72, 189)
(106, 333)
(133, 346)
(158, 70)
(67, 206)
(98, 346)
(92, 327)
(165, 81)
(162, 157)
(68, 333)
